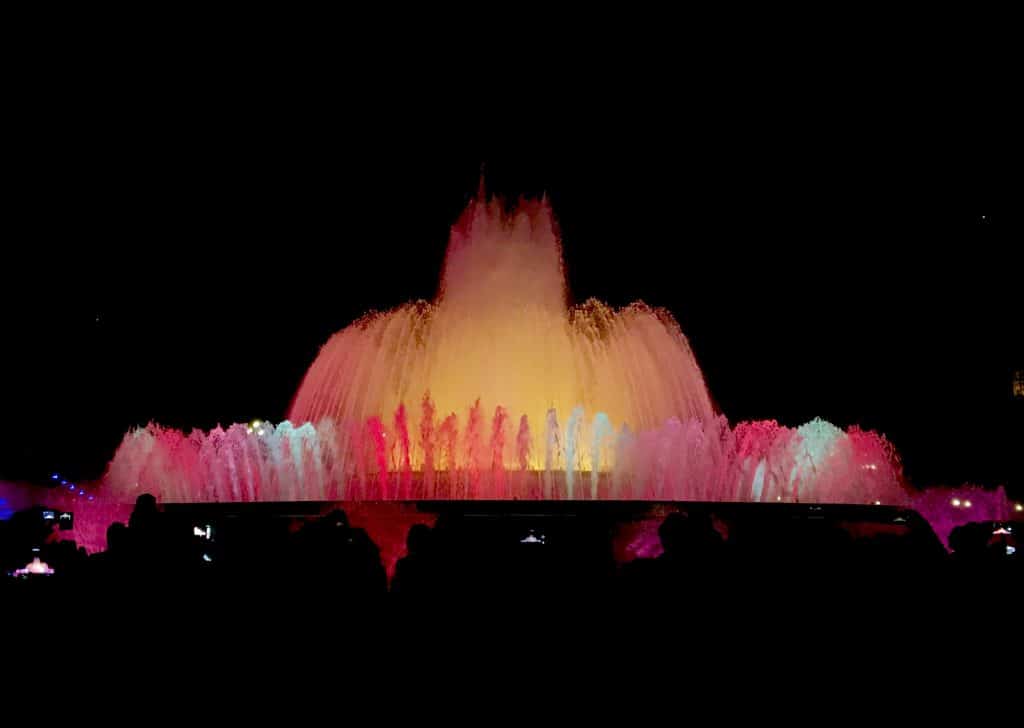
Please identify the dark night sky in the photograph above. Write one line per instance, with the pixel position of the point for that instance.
(824, 250)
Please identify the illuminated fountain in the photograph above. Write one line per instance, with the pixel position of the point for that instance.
(501, 389)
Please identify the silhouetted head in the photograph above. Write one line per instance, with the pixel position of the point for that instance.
(145, 503)
(418, 539)
(145, 513)
(693, 531)
(66, 552)
(117, 537)
(956, 537)
(672, 532)
(969, 540)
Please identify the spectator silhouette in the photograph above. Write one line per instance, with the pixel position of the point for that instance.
(691, 552)
(969, 543)
(364, 571)
(115, 561)
(688, 540)
(161, 547)
(146, 515)
(332, 557)
(146, 542)
(65, 556)
(414, 573)
(317, 548)
(118, 541)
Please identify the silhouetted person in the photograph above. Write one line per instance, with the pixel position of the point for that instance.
(115, 562)
(118, 543)
(144, 525)
(415, 572)
(145, 515)
(66, 558)
(970, 543)
(331, 557)
(690, 540)
(161, 546)
(691, 553)
(324, 541)
(364, 572)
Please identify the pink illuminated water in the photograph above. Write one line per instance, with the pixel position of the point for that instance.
(689, 460)
(500, 389)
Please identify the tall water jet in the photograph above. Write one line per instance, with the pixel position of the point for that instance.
(402, 443)
(602, 432)
(572, 441)
(474, 450)
(498, 434)
(501, 331)
(552, 448)
(524, 448)
(376, 435)
(449, 434)
(427, 445)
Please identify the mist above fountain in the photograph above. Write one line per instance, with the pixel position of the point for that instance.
(500, 389)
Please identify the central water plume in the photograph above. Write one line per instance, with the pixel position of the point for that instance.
(501, 333)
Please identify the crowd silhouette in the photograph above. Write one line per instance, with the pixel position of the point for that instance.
(702, 559)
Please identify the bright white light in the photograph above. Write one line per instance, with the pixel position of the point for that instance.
(878, 503)
(206, 558)
(955, 502)
(34, 567)
(1011, 550)
(967, 504)
(1018, 507)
